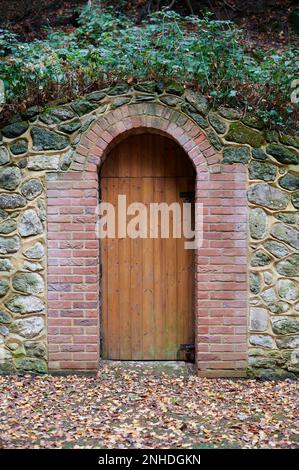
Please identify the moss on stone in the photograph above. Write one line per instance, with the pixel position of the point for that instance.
(244, 135)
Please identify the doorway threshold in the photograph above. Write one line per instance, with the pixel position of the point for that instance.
(169, 367)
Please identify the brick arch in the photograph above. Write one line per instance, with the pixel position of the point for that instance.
(128, 119)
(220, 264)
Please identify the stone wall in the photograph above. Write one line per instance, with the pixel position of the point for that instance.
(43, 141)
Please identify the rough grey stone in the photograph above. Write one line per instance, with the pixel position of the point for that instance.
(120, 101)
(5, 265)
(236, 155)
(98, 95)
(194, 114)
(262, 171)
(19, 147)
(230, 113)
(262, 341)
(258, 223)
(28, 266)
(284, 326)
(265, 195)
(15, 129)
(146, 87)
(3, 215)
(82, 107)
(35, 348)
(276, 248)
(9, 245)
(295, 199)
(269, 296)
(259, 154)
(31, 189)
(10, 177)
(67, 160)
(25, 304)
(28, 327)
(214, 139)
(43, 162)
(258, 319)
(42, 212)
(288, 342)
(288, 289)
(287, 217)
(219, 125)
(29, 283)
(283, 154)
(37, 251)
(4, 156)
(4, 331)
(5, 317)
(31, 364)
(118, 89)
(56, 115)
(45, 139)
(70, 127)
(268, 277)
(260, 258)
(289, 181)
(289, 235)
(255, 283)
(4, 287)
(198, 101)
(12, 201)
(289, 266)
(30, 223)
(169, 100)
(8, 226)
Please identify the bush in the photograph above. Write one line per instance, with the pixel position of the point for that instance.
(204, 53)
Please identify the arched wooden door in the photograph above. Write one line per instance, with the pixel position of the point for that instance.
(147, 283)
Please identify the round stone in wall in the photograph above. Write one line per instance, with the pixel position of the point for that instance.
(29, 283)
(30, 223)
(258, 223)
(265, 195)
(255, 282)
(12, 201)
(28, 327)
(45, 139)
(25, 304)
(10, 178)
(8, 226)
(260, 258)
(263, 341)
(9, 245)
(37, 251)
(285, 326)
(287, 234)
(4, 156)
(288, 289)
(276, 248)
(31, 189)
(4, 287)
(5, 265)
(289, 266)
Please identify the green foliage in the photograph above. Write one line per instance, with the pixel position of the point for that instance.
(206, 53)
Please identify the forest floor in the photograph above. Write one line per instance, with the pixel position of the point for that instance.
(146, 407)
(266, 25)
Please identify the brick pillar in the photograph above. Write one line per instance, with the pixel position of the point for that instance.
(221, 274)
(73, 271)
